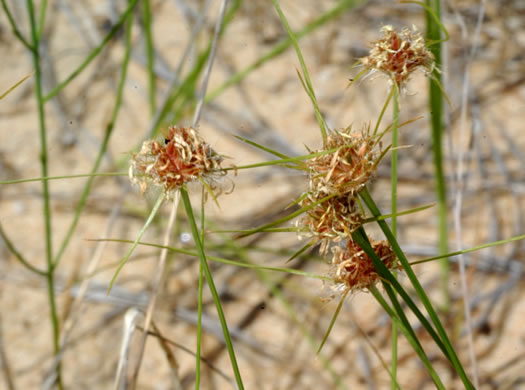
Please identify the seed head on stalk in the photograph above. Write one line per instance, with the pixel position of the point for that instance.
(180, 158)
(348, 168)
(352, 268)
(331, 220)
(399, 54)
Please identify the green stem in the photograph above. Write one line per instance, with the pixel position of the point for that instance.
(211, 285)
(150, 55)
(50, 275)
(42, 20)
(199, 305)
(436, 112)
(96, 51)
(14, 27)
(103, 147)
(441, 337)
(19, 255)
(395, 143)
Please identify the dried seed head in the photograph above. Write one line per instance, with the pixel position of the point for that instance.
(181, 157)
(399, 54)
(353, 269)
(347, 169)
(331, 220)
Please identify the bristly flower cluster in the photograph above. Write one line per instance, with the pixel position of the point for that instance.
(340, 170)
(399, 54)
(348, 168)
(347, 162)
(181, 157)
(331, 220)
(352, 267)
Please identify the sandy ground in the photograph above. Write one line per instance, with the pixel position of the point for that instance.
(272, 330)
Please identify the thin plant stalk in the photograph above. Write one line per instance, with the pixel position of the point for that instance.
(15, 28)
(307, 83)
(157, 283)
(282, 46)
(199, 304)
(460, 181)
(94, 53)
(395, 143)
(412, 340)
(440, 337)
(103, 147)
(50, 275)
(211, 285)
(150, 53)
(433, 34)
(209, 65)
(122, 262)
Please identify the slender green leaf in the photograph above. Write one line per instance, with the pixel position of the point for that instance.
(307, 83)
(442, 340)
(122, 262)
(94, 53)
(211, 285)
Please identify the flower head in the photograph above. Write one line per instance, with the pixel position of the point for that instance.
(181, 157)
(348, 168)
(352, 267)
(399, 54)
(331, 220)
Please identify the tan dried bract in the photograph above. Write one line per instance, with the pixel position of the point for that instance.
(181, 157)
(399, 54)
(352, 268)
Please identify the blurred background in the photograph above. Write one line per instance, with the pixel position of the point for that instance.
(276, 320)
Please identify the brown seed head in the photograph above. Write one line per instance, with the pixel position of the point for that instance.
(399, 54)
(331, 220)
(182, 157)
(352, 267)
(347, 169)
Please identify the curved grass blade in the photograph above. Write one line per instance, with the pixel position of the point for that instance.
(296, 160)
(332, 322)
(406, 212)
(259, 146)
(48, 178)
(222, 260)
(436, 18)
(286, 218)
(18, 255)
(302, 250)
(104, 145)
(470, 250)
(410, 337)
(154, 211)
(94, 53)
(14, 27)
(281, 47)
(11, 89)
(307, 83)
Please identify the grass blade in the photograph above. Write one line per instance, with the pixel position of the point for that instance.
(282, 46)
(211, 285)
(154, 211)
(307, 83)
(442, 340)
(94, 53)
